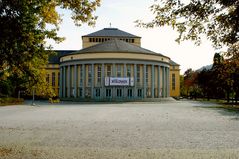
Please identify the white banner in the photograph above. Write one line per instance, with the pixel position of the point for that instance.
(119, 81)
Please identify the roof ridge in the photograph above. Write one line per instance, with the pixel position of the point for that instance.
(111, 32)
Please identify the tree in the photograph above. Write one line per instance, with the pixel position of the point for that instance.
(190, 82)
(217, 19)
(24, 27)
(205, 82)
(232, 68)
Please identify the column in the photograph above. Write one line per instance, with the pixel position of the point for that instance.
(159, 89)
(135, 81)
(60, 85)
(166, 82)
(93, 81)
(125, 88)
(152, 81)
(113, 93)
(75, 81)
(69, 81)
(125, 70)
(113, 73)
(168, 76)
(83, 80)
(102, 81)
(163, 83)
(64, 82)
(144, 77)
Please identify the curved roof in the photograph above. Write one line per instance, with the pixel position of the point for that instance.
(115, 45)
(111, 32)
(55, 58)
(173, 63)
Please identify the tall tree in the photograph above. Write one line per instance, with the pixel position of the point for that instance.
(232, 67)
(190, 81)
(24, 27)
(217, 19)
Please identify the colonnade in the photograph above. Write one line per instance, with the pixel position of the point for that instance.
(73, 87)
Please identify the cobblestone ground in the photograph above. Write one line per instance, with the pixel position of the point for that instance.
(182, 129)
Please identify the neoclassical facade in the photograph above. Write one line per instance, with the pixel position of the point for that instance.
(112, 66)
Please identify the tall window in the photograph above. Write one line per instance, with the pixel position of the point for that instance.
(130, 93)
(173, 81)
(97, 92)
(108, 70)
(89, 75)
(139, 93)
(58, 79)
(81, 75)
(119, 92)
(80, 92)
(138, 73)
(53, 79)
(108, 92)
(99, 74)
(48, 78)
(118, 70)
(128, 70)
(147, 74)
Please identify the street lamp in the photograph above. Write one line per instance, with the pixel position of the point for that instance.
(33, 96)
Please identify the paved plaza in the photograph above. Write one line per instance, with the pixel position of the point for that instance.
(175, 129)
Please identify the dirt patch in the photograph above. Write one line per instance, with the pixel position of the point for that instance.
(5, 151)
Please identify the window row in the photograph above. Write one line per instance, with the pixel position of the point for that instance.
(128, 40)
(52, 81)
(108, 92)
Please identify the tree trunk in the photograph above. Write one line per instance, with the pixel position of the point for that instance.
(236, 97)
(228, 96)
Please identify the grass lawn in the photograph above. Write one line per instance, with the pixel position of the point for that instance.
(10, 101)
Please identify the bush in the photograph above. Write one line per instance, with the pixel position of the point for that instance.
(11, 101)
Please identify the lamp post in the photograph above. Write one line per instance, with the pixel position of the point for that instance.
(33, 96)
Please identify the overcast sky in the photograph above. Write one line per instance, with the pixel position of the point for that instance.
(122, 14)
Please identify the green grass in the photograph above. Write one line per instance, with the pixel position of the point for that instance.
(222, 104)
(10, 101)
(231, 108)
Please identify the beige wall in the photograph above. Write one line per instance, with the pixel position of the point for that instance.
(50, 68)
(128, 56)
(86, 41)
(175, 70)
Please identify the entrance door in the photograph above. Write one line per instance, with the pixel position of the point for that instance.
(130, 93)
(119, 93)
(108, 93)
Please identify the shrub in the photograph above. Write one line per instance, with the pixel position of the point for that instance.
(11, 101)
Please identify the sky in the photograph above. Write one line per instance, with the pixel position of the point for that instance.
(122, 14)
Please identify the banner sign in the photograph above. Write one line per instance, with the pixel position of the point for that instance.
(119, 81)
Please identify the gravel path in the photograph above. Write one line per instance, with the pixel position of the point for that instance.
(128, 130)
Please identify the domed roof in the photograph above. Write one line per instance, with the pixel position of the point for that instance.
(114, 46)
(111, 32)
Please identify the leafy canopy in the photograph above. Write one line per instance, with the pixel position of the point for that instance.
(217, 19)
(24, 28)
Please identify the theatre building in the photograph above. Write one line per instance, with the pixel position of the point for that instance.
(112, 66)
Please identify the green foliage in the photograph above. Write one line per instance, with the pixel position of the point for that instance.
(217, 19)
(5, 87)
(23, 34)
(219, 82)
(10, 101)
